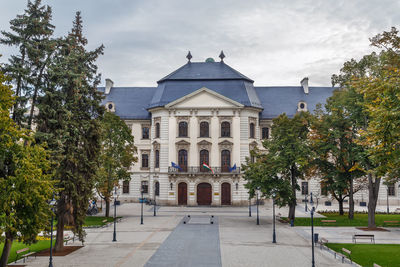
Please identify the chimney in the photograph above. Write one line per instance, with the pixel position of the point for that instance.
(304, 84)
(109, 84)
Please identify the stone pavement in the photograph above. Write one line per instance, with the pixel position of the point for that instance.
(233, 240)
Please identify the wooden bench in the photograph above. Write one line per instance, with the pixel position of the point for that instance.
(371, 237)
(322, 241)
(348, 252)
(21, 254)
(391, 223)
(324, 222)
(68, 238)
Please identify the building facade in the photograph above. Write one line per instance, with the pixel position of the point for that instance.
(196, 128)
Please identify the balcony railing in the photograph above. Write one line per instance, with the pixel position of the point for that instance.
(202, 170)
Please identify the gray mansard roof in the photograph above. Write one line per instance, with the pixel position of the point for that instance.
(134, 102)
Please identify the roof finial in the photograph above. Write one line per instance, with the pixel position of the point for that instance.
(222, 56)
(189, 56)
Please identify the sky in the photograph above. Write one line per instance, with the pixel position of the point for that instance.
(275, 43)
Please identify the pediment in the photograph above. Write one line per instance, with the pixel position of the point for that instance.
(204, 143)
(182, 143)
(204, 98)
(225, 143)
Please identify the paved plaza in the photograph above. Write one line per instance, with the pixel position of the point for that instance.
(174, 239)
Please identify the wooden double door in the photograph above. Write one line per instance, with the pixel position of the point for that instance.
(226, 194)
(182, 194)
(204, 196)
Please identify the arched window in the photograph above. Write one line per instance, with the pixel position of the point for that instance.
(265, 133)
(251, 130)
(182, 159)
(157, 159)
(183, 129)
(225, 129)
(225, 160)
(204, 158)
(157, 130)
(204, 132)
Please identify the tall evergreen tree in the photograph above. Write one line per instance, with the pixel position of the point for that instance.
(31, 33)
(117, 156)
(68, 122)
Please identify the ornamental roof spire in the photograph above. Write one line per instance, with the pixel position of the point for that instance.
(222, 56)
(189, 56)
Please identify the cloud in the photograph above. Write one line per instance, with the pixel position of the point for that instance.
(272, 42)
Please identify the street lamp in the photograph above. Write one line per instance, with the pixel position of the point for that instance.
(258, 218)
(312, 210)
(141, 213)
(273, 218)
(249, 206)
(115, 215)
(305, 202)
(387, 198)
(52, 204)
(155, 190)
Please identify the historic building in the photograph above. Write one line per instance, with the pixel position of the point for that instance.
(195, 129)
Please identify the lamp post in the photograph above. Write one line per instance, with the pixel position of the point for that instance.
(249, 206)
(258, 218)
(155, 205)
(387, 198)
(312, 210)
(273, 218)
(115, 215)
(52, 204)
(305, 202)
(141, 212)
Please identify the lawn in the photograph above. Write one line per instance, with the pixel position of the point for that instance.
(386, 255)
(39, 246)
(360, 219)
(93, 221)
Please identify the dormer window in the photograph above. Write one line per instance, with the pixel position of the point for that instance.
(302, 106)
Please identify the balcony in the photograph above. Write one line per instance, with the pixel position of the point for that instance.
(201, 170)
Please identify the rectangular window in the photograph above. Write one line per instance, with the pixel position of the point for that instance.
(125, 187)
(145, 160)
(391, 190)
(324, 189)
(157, 159)
(145, 132)
(145, 187)
(304, 188)
(265, 133)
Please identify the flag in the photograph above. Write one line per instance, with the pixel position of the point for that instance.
(233, 168)
(176, 166)
(208, 167)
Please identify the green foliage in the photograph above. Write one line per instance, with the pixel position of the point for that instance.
(25, 177)
(386, 255)
(116, 156)
(285, 159)
(68, 122)
(31, 33)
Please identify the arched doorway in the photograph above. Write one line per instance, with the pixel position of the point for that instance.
(226, 194)
(182, 193)
(204, 196)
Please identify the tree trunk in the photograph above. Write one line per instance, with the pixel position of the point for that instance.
(107, 207)
(341, 211)
(292, 203)
(351, 200)
(59, 246)
(6, 250)
(373, 191)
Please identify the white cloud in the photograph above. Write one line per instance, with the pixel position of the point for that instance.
(272, 42)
